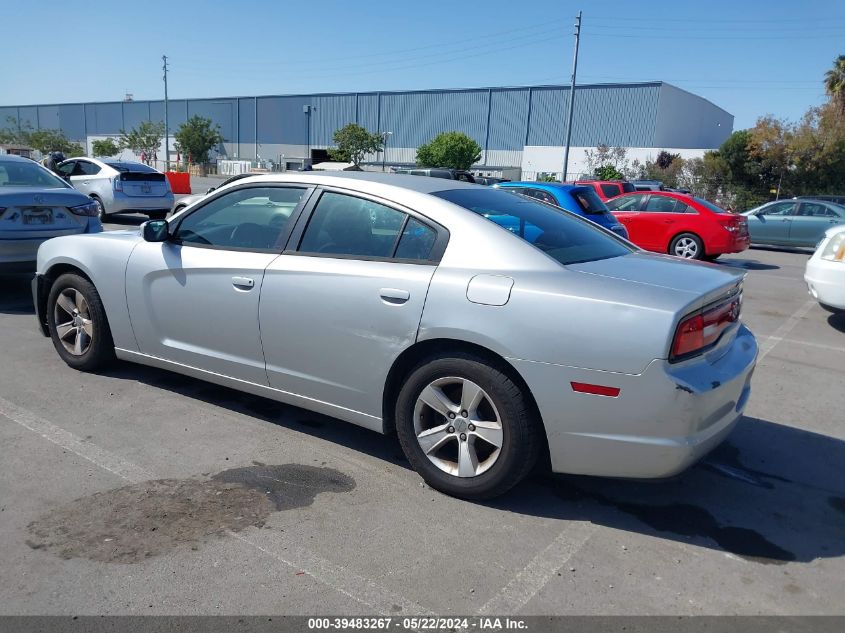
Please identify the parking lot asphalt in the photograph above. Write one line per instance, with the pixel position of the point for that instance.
(138, 491)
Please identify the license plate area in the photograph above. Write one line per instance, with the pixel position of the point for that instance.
(37, 216)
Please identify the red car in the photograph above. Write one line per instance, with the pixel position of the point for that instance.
(678, 224)
(607, 189)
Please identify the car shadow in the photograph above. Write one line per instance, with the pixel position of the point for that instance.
(837, 321)
(747, 264)
(125, 219)
(771, 494)
(16, 294)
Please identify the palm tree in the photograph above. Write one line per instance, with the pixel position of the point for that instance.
(834, 82)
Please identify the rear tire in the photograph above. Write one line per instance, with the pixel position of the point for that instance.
(687, 246)
(461, 457)
(77, 323)
(101, 210)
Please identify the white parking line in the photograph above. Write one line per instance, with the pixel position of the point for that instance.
(831, 348)
(527, 583)
(348, 583)
(785, 328)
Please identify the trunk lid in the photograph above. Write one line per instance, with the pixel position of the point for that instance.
(27, 213)
(143, 184)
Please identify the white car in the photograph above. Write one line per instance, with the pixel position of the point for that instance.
(825, 273)
(120, 186)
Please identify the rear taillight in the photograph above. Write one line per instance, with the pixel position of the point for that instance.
(118, 183)
(89, 208)
(701, 330)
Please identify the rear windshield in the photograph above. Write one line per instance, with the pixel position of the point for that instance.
(709, 205)
(562, 236)
(610, 190)
(589, 201)
(129, 166)
(627, 187)
(28, 174)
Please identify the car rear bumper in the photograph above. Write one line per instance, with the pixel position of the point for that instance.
(730, 245)
(826, 282)
(662, 421)
(122, 203)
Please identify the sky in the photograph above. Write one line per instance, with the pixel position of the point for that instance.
(749, 57)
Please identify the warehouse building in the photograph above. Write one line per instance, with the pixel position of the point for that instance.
(521, 130)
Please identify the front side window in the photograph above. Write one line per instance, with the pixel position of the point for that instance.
(562, 236)
(346, 225)
(780, 208)
(626, 203)
(254, 218)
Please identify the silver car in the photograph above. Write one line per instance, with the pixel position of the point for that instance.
(185, 201)
(36, 205)
(412, 305)
(119, 186)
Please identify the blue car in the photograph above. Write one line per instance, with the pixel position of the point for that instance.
(578, 199)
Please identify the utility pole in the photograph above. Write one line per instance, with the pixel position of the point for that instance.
(572, 96)
(166, 125)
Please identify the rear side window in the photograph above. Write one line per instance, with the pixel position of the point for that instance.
(610, 190)
(625, 203)
(589, 201)
(709, 205)
(416, 242)
(541, 195)
(562, 236)
(660, 204)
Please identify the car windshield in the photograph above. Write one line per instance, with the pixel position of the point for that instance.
(563, 236)
(709, 205)
(28, 174)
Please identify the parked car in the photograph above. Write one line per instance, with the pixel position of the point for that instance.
(400, 303)
(828, 198)
(825, 271)
(186, 201)
(607, 189)
(647, 185)
(579, 199)
(449, 174)
(489, 180)
(795, 222)
(36, 205)
(678, 224)
(119, 186)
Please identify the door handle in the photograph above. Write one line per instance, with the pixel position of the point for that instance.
(394, 295)
(243, 283)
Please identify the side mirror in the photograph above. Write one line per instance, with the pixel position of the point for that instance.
(155, 231)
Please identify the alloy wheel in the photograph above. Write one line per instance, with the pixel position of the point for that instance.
(458, 427)
(72, 319)
(686, 247)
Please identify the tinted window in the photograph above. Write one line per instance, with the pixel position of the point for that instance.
(86, 168)
(561, 235)
(816, 210)
(680, 207)
(610, 190)
(589, 201)
(709, 205)
(345, 225)
(625, 203)
(627, 187)
(28, 174)
(539, 194)
(66, 169)
(416, 242)
(660, 204)
(254, 218)
(129, 166)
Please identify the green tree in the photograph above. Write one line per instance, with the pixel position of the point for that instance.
(146, 138)
(834, 83)
(608, 172)
(105, 147)
(46, 141)
(197, 137)
(353, 143)
(452, 150)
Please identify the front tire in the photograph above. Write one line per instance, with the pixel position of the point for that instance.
(466, 427)
(687, 246)
(101, 210)
(77, 323)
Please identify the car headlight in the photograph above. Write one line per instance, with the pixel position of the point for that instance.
(89, 208)
(835, 249)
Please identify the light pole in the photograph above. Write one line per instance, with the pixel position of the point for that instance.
(571, 97)
(385, 136)
(308, 109)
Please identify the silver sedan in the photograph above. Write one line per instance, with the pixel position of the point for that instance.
(487, 330)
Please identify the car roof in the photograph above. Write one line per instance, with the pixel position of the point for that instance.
(544, 185)
(419, 184)
(13, 158)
